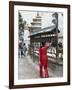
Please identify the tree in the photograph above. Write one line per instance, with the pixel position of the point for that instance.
(21, 27)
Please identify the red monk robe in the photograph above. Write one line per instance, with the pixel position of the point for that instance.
(43, 61)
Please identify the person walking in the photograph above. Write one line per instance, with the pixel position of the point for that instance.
(43, 59)
(24, 49)
(20, 49)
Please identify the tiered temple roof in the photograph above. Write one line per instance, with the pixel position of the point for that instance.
(36, 23)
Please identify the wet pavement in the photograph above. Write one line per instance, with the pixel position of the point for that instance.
(27, 69)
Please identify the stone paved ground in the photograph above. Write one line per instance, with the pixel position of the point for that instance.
(27, 69)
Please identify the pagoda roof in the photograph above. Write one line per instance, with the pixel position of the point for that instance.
(46, 30)
(35, 22)
(34, 19)
(38, 17)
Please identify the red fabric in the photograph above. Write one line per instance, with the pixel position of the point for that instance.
(43, 60)
(45, 71)
(43, 55)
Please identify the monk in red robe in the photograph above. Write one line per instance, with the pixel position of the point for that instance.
(43, 59)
